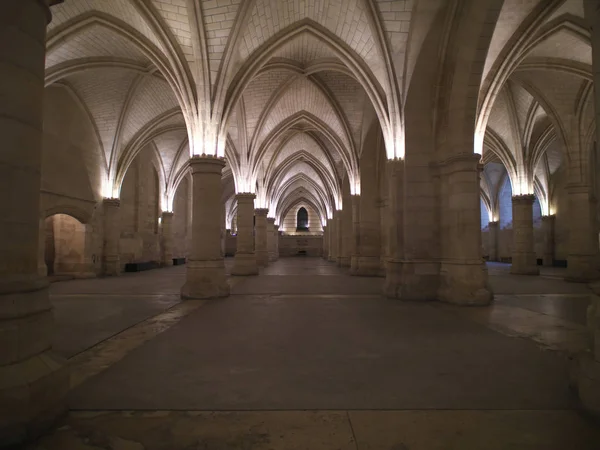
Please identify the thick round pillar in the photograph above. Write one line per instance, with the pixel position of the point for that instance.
(493, 228)
(205, 269)
(42, 267)
(245, 258)
(330, 240)
(395, 231)
(548, 223)
(325, 243)
(463, 273)
(524, 261)
(166, 238)
(271, 238)
(346, 238)
(33, 380)
(337, 219)
(582, 259)
(111, 261)
(276, 228)
(260, 237)
(355, 234)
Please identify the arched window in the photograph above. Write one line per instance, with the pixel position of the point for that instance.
(302, 220)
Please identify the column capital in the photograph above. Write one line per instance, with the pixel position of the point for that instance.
(523, 199)
(261, 211)
(206, 164)
(245, 196)
(549, 218)
(108, 201)
(493, 223)
(271, 220)
(276, 227)
(167, 214)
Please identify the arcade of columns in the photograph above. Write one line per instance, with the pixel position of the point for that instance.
(428, 226)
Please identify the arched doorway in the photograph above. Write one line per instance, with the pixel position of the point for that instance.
(64, 246)
(302, 219)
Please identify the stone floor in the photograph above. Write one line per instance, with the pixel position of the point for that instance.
(305, 356)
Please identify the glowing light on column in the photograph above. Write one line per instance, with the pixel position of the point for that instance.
(478, 142)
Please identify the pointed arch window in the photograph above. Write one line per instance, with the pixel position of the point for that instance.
(302, 220)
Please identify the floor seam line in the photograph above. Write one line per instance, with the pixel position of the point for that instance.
(352, 429)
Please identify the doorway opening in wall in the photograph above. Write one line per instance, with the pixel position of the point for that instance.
(302, 219)
(64, 247)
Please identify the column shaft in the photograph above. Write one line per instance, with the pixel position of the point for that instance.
(493, 240)
(463, 274)
(166, 238)
(205, 269)
(271, 238)
(337, 218)
(582, 259)
(276, 227)
(548, 233)
(355, 235)
(33, 380)
(346, 233)
(331, 240)
(325, 253)
(245, 258)
(395, 233)
(260, 237)
(111, 261)
(523, 255)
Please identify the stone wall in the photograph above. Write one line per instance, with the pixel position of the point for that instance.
(297, 245)
(140, 210)
(289, 221)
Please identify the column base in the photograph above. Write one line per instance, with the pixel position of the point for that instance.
(524, 264)
(262, 258)
(587, 382)
(420, 281)
(465, 284)
(367, 266)
(353, 264)
(205, 279)
(393, 279)
(111, 267)
(32, 390)
(272, 257)
(581, 269)
(244, 264)
(344, 261)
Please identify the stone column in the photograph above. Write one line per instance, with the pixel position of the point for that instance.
(355, 235)
(337, 219)
(271, 237)
(33, 380)
(330, 227)
(523, 255)
(384, 226)
(42, 268)
(111, 260)
(205, 269)
(548, 233)
(276, 242)
(260, 237)
(325, 253)
(493, 228)
(395, 233)
(582, 259)
(166, 238)
(588, 371)
(369, 245)
(88, 268)
(346, 238)
(245, 258)
(463, 274)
